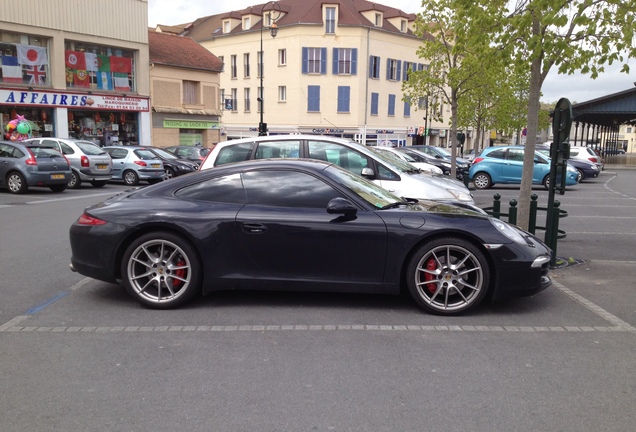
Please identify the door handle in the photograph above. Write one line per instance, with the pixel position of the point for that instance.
(254, 228)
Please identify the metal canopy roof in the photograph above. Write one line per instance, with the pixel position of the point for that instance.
(610, 111)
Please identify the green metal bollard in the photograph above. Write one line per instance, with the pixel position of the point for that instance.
(532, 219)
(512, 212)
(496, 206)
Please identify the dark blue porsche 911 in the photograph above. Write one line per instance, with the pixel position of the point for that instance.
(301, 225)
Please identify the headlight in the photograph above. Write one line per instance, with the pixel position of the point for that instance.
(461, 196)
(509, 231)
(594, 167)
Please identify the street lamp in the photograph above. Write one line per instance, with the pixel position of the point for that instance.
(273, 30)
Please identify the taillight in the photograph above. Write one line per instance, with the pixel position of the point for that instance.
(141, 163)
(31, 160)
(593, 159)
(477, 160)
(85, 162)
(87, 219)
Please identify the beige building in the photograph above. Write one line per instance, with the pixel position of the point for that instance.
(185, 91)
(335, 67)
(86, 77)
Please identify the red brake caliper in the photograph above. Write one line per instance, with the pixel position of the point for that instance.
(179, 273)
(430, 265)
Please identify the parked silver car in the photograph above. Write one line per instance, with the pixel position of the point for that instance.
(89, 163)
(24, 165)
(134, 164)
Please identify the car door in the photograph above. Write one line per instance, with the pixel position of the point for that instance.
(287, 234)
(494, 163)
(7, 160)
(512, 168)
(119, 156)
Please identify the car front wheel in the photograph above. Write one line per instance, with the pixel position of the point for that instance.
(482, 181)
(161, 270)
(580, 176)
(448, 276)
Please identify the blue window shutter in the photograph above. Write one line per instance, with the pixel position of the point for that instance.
(313, 98)
(371, 66)
(399, 66)
(335, 61)
(305, 60)
(323, 61)
(388, 68)
(405, 70)
(354, 61)
(343, 98)
(374, 103)
(407, 109)
(391, 104)
(420, 66)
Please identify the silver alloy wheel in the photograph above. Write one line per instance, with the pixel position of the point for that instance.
(449, 278)
(131, 178)
(16, 183)
(482, 181)
(169, 173)
(75, 181)
(159, 271)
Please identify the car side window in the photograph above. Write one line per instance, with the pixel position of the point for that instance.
(497, 154)
(278, 149)
(337, 154)
(50, 144)
(66, 149)
(117, 153)
(224, 189)
(234, 153)
(386, 174)
(515, 155)
(287, 189)
(6, 151)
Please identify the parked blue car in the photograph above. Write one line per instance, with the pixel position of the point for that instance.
(505, 165)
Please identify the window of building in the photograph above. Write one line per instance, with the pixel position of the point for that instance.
(246, 65)
(330, 20)
(393, 69)
(314, 60)
(246, 96)
(407, 108)
(246, 23)
(344, 97)
(421, 103)
(391, 105)
(282, 93)
(260, 99)
(233, 71)
(374, 67)
(24, 59)
(403, 26)
(345, 61)
(282, 57)
(259, 59)
(227, 26)
(375, 99)
(313, 98)
(234, 99)
(407, 67)
(99, 67)
(190, 92)
(629, 130)
(378, 20)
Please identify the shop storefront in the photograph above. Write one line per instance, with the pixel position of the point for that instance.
(104, 119)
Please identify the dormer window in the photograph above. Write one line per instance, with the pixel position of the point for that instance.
(330, 20)
(227, 26)
(403, 26)
(378, 20)
(246, 23)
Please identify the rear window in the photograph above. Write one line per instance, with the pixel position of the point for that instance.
(145, 154)
(44, 152)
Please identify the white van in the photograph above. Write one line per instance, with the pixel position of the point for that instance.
(399, 177)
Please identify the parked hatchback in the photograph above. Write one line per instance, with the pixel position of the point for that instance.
(505, 165)
(462, 165)
(173, 165)
(394, 175)
(192, 153)
(134, 164)
(89, 162)
(24, 165)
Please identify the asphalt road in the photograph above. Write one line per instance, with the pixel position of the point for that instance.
(80, 355)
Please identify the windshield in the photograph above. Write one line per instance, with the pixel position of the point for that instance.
(441, 152)
(368, 191)
(164, 154)
(395, 161)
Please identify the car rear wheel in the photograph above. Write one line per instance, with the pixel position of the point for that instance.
(448, 276)
(16, 183)
(75, 182)
(482, 181)
(131, 178)
(161, 270)
(99, 184)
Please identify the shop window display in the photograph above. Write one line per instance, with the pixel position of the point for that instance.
(24, 60)
(39, 120)
(98, 67)
(104, 128)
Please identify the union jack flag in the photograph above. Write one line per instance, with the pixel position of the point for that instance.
(36, 74)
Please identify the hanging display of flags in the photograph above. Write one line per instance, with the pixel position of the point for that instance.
(11, 70)
(120, 64)
(31, 55)
(104, 80)
(36, 74)
(81, 79)
(121, 82)
(103, 63)
(91, 62)
(75, 60)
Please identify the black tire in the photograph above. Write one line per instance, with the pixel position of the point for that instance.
(161, 270)
(170, 173)
(99, 183)
(481, 180)
(546, 182)
(75, 182)
(580, 175)
(445, 289)
(16, 183)
(130, 178)
(58, 188)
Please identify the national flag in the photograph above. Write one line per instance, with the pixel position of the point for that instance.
(120, 64)
(81, 79)
(11, 70)
(36, 74)
(32, 55)
(91, 62)
(121, 82)
(104, 80)
(103, 63)
(75, 60)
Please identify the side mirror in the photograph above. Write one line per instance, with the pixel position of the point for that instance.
(367, 172)
(341, 206)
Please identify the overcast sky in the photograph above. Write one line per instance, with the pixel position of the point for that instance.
(577, 88)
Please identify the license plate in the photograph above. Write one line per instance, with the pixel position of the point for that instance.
(155, 165)
(57, 176)
(102, 166)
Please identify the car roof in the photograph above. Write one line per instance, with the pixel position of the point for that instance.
(284, 137)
